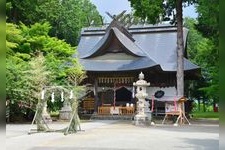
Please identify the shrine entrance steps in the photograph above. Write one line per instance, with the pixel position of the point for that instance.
(111, 117)
(115, 117)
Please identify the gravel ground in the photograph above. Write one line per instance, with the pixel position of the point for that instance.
(117, 135)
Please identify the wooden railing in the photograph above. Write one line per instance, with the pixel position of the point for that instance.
(104, 110)
(88, 104)
(117, 110)
(127, 110)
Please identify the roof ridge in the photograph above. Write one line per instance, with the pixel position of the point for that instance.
(119, 26)
(120, 36)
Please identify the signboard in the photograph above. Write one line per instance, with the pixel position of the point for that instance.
(170, 107)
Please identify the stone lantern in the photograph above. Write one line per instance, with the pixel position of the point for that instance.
(66, 111)
(143, 116)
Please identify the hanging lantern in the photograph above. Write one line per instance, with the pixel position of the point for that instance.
(53, 98)
(62, 94)
(71, 94)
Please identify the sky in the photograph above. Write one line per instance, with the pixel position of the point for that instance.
(117, 6)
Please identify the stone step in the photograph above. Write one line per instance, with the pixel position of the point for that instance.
(112, 117)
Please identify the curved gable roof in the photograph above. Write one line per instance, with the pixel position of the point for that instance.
(153, 46)
(129, 46)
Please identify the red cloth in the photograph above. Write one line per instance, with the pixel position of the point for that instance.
(152, 103)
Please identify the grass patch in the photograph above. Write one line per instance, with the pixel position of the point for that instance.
(205, 115)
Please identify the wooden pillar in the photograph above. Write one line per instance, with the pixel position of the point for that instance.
(96, 95)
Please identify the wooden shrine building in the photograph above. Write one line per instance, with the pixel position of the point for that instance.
(115, 54)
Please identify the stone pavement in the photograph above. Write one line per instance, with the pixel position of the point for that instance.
(116, 135)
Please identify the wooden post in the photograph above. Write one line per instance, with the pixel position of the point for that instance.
(96, 95)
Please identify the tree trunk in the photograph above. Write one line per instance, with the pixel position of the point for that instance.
(180, 49)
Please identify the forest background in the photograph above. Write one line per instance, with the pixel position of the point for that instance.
(41, 38)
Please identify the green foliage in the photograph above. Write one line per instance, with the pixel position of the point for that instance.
(24, 82)
(66, 17)
(211, 114)
(208, 18)
(35, 59)
(149, 9)
(13, 37)
(36, 39)
(201, 50)
(15, 80)
(37, 77)
(155, 11)
(208, 25)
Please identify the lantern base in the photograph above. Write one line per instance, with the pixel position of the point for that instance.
(142, 120)
(65, 113)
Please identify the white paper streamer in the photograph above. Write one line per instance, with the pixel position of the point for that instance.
(133, 92)
(42, 94)
(62, 94)
(53, 98)
(71, 94)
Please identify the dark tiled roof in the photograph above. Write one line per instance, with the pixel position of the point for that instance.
(130, 46)
(155, 45)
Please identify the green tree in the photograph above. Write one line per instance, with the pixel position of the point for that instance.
(156, 11)
(57, 52)
(15, 64)
(37, 77)
(208, 18)
(24, 44)
(200, 51)
(208, 25)
(66, 17)
(206, 49)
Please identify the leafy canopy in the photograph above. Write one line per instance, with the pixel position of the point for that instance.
(154, 11)
(66, 17)
(34, 59)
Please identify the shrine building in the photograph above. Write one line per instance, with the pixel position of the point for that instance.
(114, 55)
